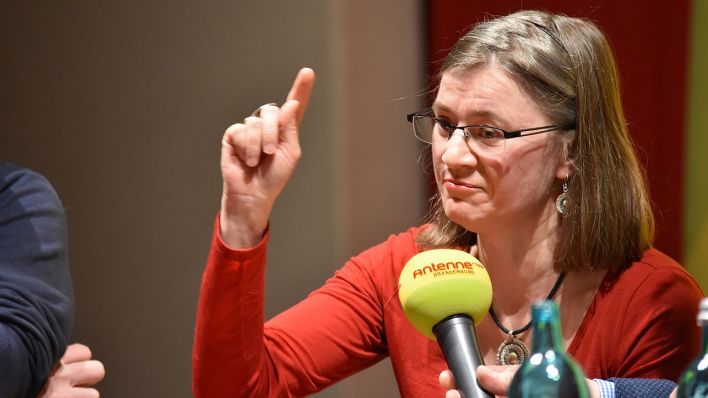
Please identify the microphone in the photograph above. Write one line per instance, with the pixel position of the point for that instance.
(444, 294)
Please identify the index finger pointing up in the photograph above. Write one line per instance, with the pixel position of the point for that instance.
(301, 89)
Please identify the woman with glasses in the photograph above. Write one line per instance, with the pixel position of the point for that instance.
(536, 177)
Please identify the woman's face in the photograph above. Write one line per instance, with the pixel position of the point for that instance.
(480, 191)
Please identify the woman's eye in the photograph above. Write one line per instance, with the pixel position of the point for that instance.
(446, 126)
(488, 133)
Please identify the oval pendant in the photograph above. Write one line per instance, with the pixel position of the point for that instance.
(512, 351)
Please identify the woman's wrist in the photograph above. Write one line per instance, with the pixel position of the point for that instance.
(240, 234)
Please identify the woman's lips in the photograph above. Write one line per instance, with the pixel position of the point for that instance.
(460, 186)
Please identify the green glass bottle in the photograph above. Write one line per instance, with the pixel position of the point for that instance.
(548, 372)
(693, 382)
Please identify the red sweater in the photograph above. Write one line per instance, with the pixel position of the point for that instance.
(643, 326)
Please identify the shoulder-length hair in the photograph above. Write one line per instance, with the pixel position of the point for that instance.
(567, 66)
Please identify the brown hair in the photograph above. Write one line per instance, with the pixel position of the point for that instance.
(567, 66)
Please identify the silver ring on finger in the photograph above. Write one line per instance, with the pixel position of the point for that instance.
(257, 112)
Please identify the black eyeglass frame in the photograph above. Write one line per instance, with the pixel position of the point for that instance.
(507, 134)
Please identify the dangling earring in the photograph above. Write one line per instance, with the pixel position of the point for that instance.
(562, 201)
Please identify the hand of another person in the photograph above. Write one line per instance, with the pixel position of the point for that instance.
(258, 157)
(496, 379)
(73, 375)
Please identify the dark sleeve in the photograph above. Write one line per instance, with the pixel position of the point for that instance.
(36, 295)
(641, 388)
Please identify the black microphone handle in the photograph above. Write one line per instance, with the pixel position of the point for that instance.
(458, 341)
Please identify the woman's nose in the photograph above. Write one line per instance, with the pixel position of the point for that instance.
(458, 151)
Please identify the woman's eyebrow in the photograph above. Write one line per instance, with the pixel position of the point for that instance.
(476, 113)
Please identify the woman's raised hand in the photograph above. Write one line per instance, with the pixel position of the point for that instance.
(258, 157)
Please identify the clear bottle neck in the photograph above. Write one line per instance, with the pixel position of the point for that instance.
(546, 328)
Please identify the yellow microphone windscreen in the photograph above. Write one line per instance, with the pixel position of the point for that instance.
(436, 284)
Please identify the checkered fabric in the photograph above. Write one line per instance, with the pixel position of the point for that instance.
(642, 388)
(607, 388)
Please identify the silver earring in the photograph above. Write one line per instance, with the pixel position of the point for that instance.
(562, 201)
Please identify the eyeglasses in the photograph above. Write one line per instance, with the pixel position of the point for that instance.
(488, 139)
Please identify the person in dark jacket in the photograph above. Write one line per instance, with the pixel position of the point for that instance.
(36, 293)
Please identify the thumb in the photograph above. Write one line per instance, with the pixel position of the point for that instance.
(75, 353)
